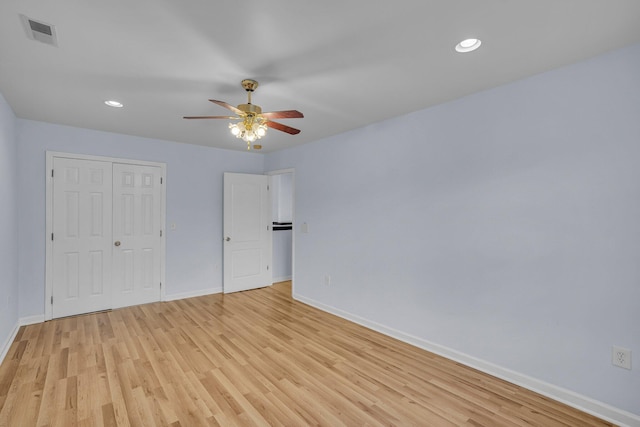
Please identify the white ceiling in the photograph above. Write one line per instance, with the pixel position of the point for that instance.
(344, 64)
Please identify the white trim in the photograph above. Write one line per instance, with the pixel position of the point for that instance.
(568, 397)
(193, 294)
(48, 264)
(32, 320)
(7, 344)
(23, 321)
(48, 286)
(281, 171)
(281, 279)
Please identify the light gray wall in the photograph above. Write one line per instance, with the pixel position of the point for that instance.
(8, 223)
(194, 202)
(504, 225)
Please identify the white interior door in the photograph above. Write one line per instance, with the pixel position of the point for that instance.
(81, 238)
(137, 234)
(247, 232)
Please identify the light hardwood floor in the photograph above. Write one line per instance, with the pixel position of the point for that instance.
(250, 358)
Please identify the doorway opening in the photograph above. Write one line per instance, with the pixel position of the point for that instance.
(282, 209)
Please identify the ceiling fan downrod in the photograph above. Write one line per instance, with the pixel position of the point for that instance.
(249, 85)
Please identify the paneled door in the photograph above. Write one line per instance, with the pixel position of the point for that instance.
(106, 240)
(137, 234)
(247, 232)
(81, 236)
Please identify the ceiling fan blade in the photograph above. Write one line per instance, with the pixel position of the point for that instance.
(213, 117)
(283, 128)
(228, 106)
(287, 114)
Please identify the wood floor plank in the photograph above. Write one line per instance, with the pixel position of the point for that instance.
(255, 358)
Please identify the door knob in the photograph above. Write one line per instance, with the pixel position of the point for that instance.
(228, 239)
(117, 243)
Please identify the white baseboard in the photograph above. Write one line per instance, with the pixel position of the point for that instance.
(568, 397)
(31, 320)
(198, 293)
(281, 279)
(23, 321)
(7, 344)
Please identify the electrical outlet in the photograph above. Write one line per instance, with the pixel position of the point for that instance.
(327, 280)
(621, 357)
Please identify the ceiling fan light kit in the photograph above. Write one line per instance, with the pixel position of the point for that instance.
(251, 123)
(250, 129)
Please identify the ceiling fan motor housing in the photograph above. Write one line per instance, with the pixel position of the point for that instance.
(249, 85)
(250, 109)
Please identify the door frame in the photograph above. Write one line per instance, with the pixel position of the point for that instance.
(292, 171)
(50, 155)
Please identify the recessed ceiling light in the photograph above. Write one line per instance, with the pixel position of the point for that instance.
(468, 45)
(112, 103)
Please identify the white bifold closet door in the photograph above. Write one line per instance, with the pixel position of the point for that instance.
(106, 235)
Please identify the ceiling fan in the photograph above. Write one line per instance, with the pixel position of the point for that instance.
(251, 123)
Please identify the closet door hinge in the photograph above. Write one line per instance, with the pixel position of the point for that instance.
(51, 299)
(51, 173)
(52, 237)
(160, 233)
(160, 180)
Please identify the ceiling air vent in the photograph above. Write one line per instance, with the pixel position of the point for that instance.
(40, 31)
